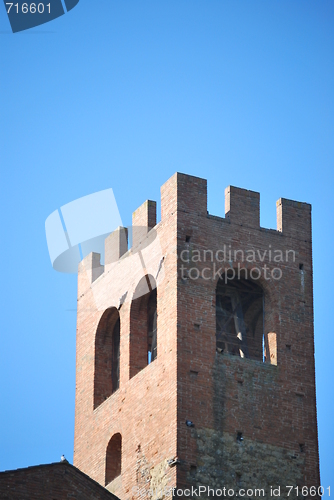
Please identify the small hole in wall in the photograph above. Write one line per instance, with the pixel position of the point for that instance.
(301, 447)
(187, 239)
(197, 326)
(193, 470)
(239, 437)
(240, 382)
(238, 478)
(288, 347)
(301, 267)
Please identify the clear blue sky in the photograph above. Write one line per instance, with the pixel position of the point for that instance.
(122, 94)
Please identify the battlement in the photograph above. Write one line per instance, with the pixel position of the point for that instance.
(294, 217)
(116, 245)
(143, 219)
(242, 206)
(188, 194)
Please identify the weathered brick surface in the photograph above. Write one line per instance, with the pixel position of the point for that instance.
(52, 481)
(272, 404)
(250, 465)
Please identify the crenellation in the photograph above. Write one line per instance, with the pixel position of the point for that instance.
(294, 218)
(91, 266)
(116, 245)
(143, 220)
(242, 206)
(184, 193)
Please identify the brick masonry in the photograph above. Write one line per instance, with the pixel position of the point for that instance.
(57, 481)
(270, 404)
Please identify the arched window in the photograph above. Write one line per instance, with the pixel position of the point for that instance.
(143, 325)
(107, 356)
(239, 318)
(113, 458)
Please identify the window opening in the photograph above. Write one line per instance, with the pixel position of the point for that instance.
(240, 318)
(143, 325)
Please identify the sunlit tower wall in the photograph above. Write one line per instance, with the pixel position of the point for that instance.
(199, 369)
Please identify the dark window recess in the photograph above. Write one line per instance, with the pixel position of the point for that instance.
(301, 267)
(239, 437)
(302, 448)
(239, 318)
(107, 356)
(113, 458)
(152, 326)
(187, 239)
(193, 470)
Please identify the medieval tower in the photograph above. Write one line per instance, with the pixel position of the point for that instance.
(195, 350)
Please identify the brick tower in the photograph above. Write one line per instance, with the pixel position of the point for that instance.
(195, 350)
